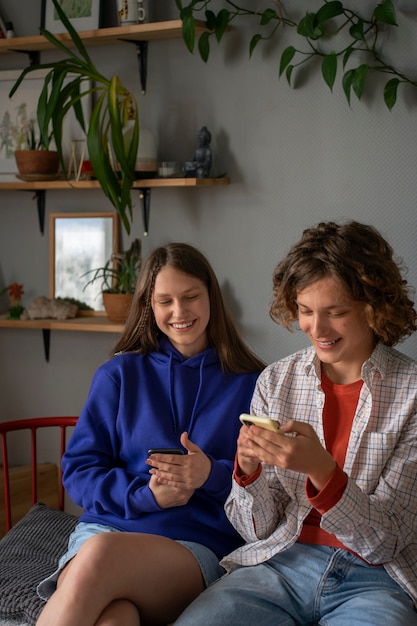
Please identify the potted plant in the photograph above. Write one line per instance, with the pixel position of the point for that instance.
(118, 278)
(34, 158)
(115, 111)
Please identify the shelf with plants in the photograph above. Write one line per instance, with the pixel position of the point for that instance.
(140, 35)
(144, 186)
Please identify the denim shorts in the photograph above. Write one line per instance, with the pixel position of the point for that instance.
(207, 560)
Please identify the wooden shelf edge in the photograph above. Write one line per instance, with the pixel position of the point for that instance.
(83, 324)
(93, 184)
(171, 29)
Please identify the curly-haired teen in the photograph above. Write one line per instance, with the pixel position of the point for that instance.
(180, 378)
(328, 506)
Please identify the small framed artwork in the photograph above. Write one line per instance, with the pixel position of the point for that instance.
(83, 15)
(80, 243)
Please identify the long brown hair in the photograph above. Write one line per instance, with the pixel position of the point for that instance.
(141, 332)
(358, 256)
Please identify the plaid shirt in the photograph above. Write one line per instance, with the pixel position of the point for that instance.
(376, 517)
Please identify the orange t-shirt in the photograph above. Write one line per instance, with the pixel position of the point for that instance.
(338, 413)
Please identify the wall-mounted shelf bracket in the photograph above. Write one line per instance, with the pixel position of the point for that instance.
(40, 200)
(34, 56)
(142, 54)
(145, 199)
(46, 334)
(40, 195)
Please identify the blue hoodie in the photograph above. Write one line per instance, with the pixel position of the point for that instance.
(137, 402)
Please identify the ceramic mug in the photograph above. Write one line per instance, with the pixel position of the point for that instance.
(130, 12)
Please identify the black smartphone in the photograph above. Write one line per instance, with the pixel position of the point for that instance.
(165, 451)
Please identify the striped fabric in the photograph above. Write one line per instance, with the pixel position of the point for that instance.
(28, 553)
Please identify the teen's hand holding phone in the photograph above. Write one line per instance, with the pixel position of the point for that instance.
(249, 443)
(301, 452)
(174, 477)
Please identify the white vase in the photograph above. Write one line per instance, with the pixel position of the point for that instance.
(146, 161)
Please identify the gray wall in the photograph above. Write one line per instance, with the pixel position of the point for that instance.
(294, 156)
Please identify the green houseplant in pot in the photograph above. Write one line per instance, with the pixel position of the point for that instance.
(34, 158)
(118, 278)
(114, 112)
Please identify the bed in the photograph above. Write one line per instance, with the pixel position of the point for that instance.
(30, 549)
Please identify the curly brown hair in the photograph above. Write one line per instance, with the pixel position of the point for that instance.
(141, 332)
(358, 256)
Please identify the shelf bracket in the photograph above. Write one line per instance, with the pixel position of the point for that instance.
(46, 334)
(34, 56)
(40, 200)
(145, 200)
(40, 195)
(142, 54)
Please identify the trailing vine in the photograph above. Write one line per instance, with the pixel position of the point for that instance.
(353, 36)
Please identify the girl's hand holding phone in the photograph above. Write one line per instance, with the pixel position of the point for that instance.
(189, 471)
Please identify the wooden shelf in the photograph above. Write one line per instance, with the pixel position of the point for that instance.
(11, 182)
(144, 186)
(94, 323)
(152, 31)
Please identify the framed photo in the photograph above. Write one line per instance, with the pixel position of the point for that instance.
(17, 112)
(79, 243)
(83, 15)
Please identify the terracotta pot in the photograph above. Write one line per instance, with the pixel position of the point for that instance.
(37, 162)
(117, 306)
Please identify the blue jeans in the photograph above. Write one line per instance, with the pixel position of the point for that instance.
(306, 585)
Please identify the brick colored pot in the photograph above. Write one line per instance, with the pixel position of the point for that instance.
(37, 162)
(117, 306)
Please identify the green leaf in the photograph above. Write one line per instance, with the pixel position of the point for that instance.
(347, 54)
(329, 69)
(267, 16)
(307, 27)
(358, 80)
(222, 23)
(210, 20)
(188, 28)
(286, 58)
(288, 73)
(347, 83)
(385, 13)
(356, 31)
(328, 11)
(204, 46)
(390, 92)
(254, 42)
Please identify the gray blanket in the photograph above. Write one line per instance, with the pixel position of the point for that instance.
(28, 553)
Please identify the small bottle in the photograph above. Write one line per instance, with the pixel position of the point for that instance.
(9, 30)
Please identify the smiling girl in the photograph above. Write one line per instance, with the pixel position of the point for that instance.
(153, 527)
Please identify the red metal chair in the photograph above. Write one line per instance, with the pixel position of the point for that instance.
(32, 425)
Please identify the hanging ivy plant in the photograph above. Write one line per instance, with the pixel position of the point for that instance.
(357, 36)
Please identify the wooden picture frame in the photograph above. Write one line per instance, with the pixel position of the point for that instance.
(83, 15)
(79, 243)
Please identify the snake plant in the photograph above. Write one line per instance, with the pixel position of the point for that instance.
(114, 111)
